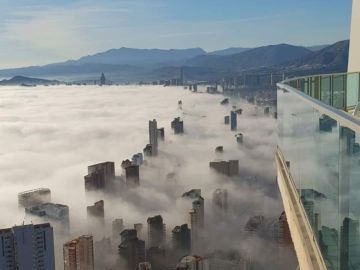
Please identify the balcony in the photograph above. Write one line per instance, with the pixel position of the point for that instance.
(319, 156)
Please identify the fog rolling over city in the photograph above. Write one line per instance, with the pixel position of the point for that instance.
(49, 137)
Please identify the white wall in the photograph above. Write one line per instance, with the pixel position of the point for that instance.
(354, 56)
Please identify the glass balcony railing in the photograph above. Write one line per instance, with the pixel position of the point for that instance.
(338, 90)
(322, 147)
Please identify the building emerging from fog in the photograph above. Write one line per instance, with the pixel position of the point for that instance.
(153, 137)
(191, 263)
(131, 172)
(96, 217)
(34, 197)
(156, 231)
(100, 176)
(197, 221)
(177, 125)
(233, 120)
(229, 168)
(318, 164)
(79, 254)
(131, 250)
(220, 204)
(27, 247)
(57, 214)
(181, 240)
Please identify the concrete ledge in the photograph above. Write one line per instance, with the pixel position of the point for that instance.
(306, 246)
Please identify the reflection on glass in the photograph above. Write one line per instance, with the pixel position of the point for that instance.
(324, 162)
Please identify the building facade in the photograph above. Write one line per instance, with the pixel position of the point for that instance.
(79, 253)
(27, 247)
(153, 137)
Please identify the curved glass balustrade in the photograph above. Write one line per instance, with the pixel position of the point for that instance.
(338, 90)
(324, 160)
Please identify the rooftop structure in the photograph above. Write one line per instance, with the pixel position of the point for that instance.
(192, 194)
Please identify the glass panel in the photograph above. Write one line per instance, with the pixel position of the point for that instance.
(338, 91)
(352, 95)
(326, 89)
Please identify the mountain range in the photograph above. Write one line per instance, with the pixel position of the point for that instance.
(132, 65)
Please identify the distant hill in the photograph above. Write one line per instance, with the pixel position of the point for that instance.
(21, 80)
(333, 58)
(229, 51)
(139, 57)
(254, 58)
(133, 65)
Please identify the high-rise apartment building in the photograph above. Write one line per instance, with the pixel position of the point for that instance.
(229, 168)
(153, 137)
(156, 231)
(197, 221)
(79, 253)
(233, 120)
(177, 125)
(131, 250)
(117, 227)
(220, 204)
(34, 197)
(96, 218)
(181, 240)
(27, 247)
(100, 176)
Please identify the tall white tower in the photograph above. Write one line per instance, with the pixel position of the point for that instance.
(354, 53)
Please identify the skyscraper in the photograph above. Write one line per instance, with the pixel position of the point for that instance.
(233, 120)
(34, 197)
(229, 168)
(117, 227)
(181, 240)
(100, 176)
(79, 254)
(177, 125)
(156, 231)
(96, 218)
(220, 203)
(153, 137)
(197, 224)
(132, 175)
(27, 247)
(102, 79)
(131, 250)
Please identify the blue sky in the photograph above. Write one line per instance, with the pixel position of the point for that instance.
(34, 32)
